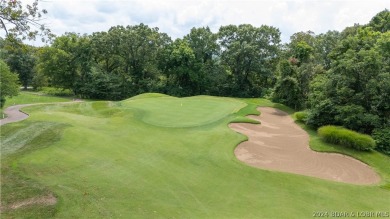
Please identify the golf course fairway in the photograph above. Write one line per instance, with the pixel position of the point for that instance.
(156, 156)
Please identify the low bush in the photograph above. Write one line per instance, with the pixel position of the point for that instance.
(322, 114)
(301, 116)
(342, 136)
(382, 139)
(56, 91)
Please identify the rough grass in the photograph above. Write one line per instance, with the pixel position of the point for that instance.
(25, 97)
(345, 137)
(109, 161)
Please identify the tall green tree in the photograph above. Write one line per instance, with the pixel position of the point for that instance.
(21, 60)
(138, 47)
(356, 85)
(55, 65)
(66, 62)
(287, 90)
(301, 47)
(181, 69)
(381, 21)
(9, 84)
(206, 50)
(323, 46)
(105, 51)
(250, 54)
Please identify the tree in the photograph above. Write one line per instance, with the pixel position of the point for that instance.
(381, 21)
(21, 60)
(356, 88)
(66, 62)
(9, 86)
(308, 37)
(323, 46)
(21, 22)
(105, 51)
(206, 50)
(287, 89)
(138, 47)
(55, 64)
(250, 54)
(181, 69)
(301, 47)
(302, 52)
(39, 80)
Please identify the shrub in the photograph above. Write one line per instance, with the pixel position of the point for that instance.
(356, 118)
(382, 139)
(342, 136)
(56, 91)
(301, 116)
(322, 114)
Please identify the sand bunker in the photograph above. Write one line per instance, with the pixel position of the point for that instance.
(281, 145)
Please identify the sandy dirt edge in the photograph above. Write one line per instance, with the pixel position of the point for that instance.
(281, 145)
(42, 200)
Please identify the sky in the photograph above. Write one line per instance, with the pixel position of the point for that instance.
(177, 17)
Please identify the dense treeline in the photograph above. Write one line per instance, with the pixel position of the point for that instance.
(126, 61)
(340, 78)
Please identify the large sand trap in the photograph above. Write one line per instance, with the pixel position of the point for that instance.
(280, 144)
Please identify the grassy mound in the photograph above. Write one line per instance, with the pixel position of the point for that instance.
(182, 112)
(346, 137)
(148, 95)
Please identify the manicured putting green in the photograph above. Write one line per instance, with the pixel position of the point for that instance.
(183, 112)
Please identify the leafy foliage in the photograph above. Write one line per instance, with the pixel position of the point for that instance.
(287, 92)
(9, 83)
(249, 54)
(382, 139)
(23, 22)
(301, 116)
(322, 114)
(354, 92)
(342, 136)
(21, 60)
(381, 21)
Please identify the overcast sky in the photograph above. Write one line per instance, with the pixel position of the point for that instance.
(177, 17)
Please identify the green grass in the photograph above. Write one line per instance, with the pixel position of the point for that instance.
(25, 97)
(182, 112)
(345, 137)
(123, 160)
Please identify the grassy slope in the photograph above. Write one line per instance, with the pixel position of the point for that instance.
(25, 97)
(118, 160)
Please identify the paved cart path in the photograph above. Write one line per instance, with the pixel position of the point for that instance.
(15, 115)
